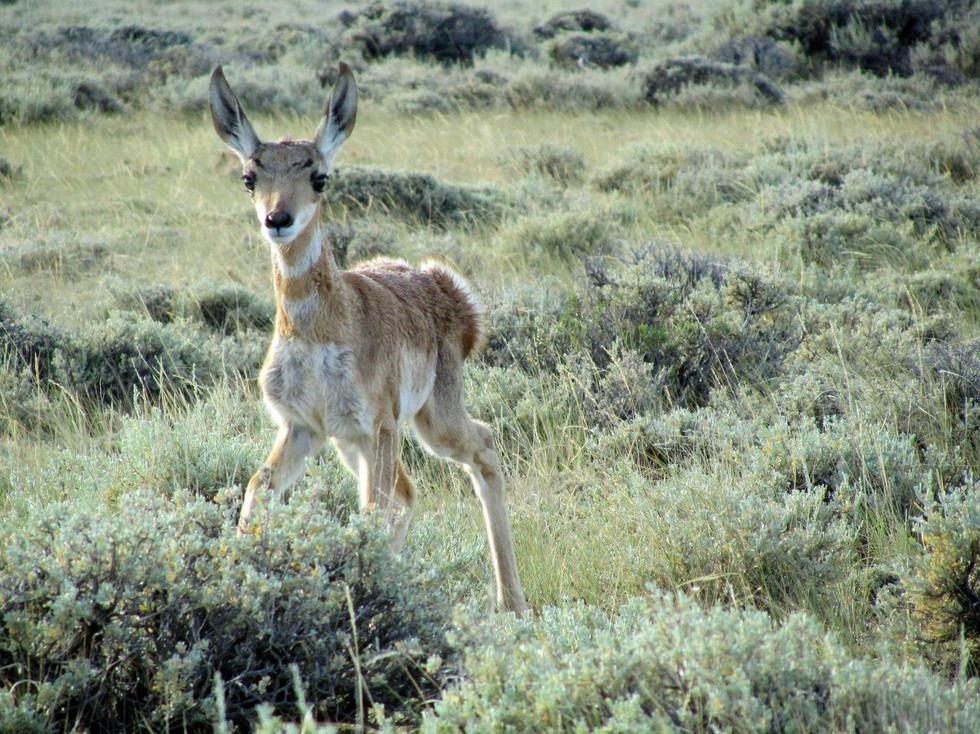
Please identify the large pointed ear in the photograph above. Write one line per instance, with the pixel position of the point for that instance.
(229, 118)
(339, 116)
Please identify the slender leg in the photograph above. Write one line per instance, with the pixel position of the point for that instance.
(483, 465)
(383, 483)
(405, 508)
(448, 431)
(284, 464)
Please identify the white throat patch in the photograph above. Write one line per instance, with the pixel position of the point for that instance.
(306, 261)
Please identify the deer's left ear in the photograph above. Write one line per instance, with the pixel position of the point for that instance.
(339, 116)
(229, 118)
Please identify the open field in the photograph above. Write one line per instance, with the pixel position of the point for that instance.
(733, 365)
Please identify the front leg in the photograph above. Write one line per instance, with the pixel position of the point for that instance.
(381, 480)
(284, 464)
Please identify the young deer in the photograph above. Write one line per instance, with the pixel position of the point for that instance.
(357, 353)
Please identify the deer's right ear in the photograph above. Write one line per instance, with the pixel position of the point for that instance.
(229, 118)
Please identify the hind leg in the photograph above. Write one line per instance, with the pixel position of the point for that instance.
(447, 430)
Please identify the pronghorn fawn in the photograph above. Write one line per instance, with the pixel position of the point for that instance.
(357, 353)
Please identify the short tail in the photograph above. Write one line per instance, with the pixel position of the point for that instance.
(467, 311)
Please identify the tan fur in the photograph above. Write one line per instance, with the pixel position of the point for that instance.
(358, 353)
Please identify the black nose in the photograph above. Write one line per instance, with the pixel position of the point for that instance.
(278, 220)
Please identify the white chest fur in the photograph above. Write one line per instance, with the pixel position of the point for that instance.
(315, 386)
(302, 311)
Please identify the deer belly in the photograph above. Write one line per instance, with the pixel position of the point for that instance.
(418, 375)
(314, 386)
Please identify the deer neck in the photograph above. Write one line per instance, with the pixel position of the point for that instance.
(306, 280)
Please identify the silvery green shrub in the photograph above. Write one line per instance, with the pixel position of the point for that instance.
(127, 620)
(944, 587)
(663, 663)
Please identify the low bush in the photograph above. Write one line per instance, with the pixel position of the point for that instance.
(9, 172)
(63, 253)
(837, 209)
(944, 587)
(603, 50)
(201, 447)
(872, 35)
(584, 20)
(697, 324)
(559, 236)
(867, 479)
(227, 309)
(588, 90)
(681, 181)
(29, 344)
(764, 55)
(30, 97)
(952, 52)
(565, 166)
(947, 287)
(956, 368)
(132, 45)
(664, 663)
(159, 617)
(415, 197)
(93, 96)
(739, 540)
(445, 32)
(130, 356)
(162, 303)
(24, 405)
(857, 90)
(670, 77)
(224, 308)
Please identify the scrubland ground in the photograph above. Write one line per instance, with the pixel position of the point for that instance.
(732, 282)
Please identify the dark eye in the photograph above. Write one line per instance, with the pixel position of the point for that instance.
(249, 180)
(319, 182)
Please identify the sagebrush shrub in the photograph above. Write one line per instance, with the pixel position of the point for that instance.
(127, 621)
(29, 344)
(670, 77)
(413, 196)
(226, 308)
(229, 308)
(737, 539)
(24, 99)
(558, 236)
(445, 32)
(564, 165)
(129, 356)
(874, 35)
(23, 403)
(200, 445)
(8, 173)
(588, 90)
(573, 20)
(161, 303)
(945, 583)
(697, 323)
(601, 49)
(665, 664)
